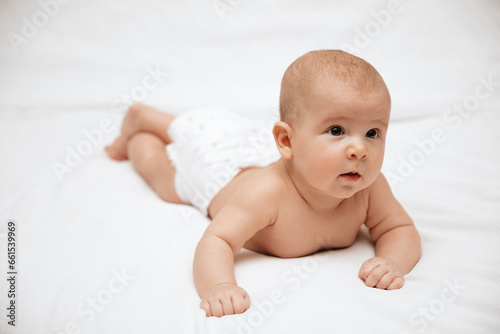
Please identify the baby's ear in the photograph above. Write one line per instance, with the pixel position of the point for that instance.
(282, 133)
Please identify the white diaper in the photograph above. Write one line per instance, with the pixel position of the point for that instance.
(210, 146)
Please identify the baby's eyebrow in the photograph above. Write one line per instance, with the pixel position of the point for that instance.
(338, 119)
(382, 122)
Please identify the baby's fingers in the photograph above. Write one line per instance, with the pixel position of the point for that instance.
(205, 306)
(367, 267)
(375, 276)
(385, 280)
(381, 273)
(241, 303)
(396, 283)
(212, 307)
(227, 305)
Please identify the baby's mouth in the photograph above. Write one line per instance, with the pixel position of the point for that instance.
(351, 176)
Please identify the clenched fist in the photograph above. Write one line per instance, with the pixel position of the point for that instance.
(225, 299)
(382, 273)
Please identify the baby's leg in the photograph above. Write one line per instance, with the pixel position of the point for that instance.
(139, 118)
(147, 153)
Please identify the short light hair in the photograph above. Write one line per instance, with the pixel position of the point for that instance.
(304, 73)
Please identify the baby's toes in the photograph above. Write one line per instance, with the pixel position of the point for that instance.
(117, 150)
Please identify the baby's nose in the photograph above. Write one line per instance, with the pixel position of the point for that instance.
(356, 150)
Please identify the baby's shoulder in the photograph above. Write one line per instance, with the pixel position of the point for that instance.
(380, 197)
(258, 196)
(268, 182)
(379, 187)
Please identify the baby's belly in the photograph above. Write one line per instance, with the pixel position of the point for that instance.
(283, 251)
(289, 245)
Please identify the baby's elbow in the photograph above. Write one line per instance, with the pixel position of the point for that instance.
(219, 243)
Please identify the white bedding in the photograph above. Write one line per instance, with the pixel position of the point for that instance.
(98, 252)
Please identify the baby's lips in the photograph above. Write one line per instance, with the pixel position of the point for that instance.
(351, 173)
(350, 176)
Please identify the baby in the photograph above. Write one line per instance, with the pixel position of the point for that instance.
(314, 192)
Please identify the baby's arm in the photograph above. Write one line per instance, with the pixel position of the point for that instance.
(251, 209)
(397, 246)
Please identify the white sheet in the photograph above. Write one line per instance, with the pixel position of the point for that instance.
(98, 252)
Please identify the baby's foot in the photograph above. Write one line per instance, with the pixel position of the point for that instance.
(132, 122)
(135, 119)
(118, 150)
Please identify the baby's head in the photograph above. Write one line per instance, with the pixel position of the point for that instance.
(334, 110)
(322, 68)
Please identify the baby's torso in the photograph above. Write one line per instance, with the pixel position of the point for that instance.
(299, 230)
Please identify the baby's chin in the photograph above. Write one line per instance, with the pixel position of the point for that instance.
(348, 191)
(344, 194)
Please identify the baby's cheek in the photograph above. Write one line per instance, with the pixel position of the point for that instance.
(378, 157)
(332, 158)
(370, 178)
(375, 165)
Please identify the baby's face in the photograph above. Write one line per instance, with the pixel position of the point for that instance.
(338, 147)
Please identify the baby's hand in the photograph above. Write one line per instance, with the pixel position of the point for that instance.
(382, 273)
(225, 299)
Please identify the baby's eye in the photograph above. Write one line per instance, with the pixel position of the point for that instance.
(336, 131)
(372, 133)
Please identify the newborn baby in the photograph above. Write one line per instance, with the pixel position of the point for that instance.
(322, 183)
